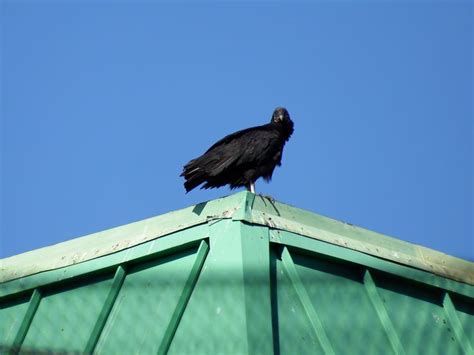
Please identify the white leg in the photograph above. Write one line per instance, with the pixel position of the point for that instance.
(252, 187)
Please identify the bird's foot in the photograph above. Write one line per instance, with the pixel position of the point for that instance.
(268, 198)
(271, 200)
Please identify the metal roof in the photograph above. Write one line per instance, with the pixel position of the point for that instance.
(246, 207)
(240, 274)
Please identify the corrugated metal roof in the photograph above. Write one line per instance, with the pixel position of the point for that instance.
(240, 274)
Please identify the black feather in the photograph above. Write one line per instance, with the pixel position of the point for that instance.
(241, 157)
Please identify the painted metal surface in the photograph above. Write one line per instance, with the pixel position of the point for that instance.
(239, 275)
(288, 218)
(54, 325)
(243, 206)
(113, 240)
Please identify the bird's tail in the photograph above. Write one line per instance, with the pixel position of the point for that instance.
(193, 174)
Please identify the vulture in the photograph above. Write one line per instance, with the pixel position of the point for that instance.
(241, 158)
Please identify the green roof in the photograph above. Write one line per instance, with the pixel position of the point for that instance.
(240, 274)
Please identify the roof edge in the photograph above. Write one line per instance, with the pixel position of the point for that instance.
(285, 217)
(99, 244)
(242, 206)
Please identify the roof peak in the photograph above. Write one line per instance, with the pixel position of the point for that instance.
(241, 206)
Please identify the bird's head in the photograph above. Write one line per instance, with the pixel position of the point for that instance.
(281, 117)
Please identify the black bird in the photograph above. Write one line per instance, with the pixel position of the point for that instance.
(240, 158)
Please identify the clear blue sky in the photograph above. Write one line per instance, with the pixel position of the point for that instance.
(103, 102)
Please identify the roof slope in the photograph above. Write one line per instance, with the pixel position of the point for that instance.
(246, 207)
(239, 274)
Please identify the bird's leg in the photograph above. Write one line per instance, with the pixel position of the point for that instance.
(252, 187)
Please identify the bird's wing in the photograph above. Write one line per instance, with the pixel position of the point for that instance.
(236, 135)
(248, 147)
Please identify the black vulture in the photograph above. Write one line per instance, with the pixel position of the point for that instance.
(240, 158)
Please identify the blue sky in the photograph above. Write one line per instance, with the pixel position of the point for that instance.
(103, 102)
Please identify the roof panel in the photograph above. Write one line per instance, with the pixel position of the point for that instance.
(340, 299)
(61, 310)
(12, 314)
(243, 206)
(239, 275)
(150, 294)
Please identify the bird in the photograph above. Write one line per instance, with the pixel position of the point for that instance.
(241, 158)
